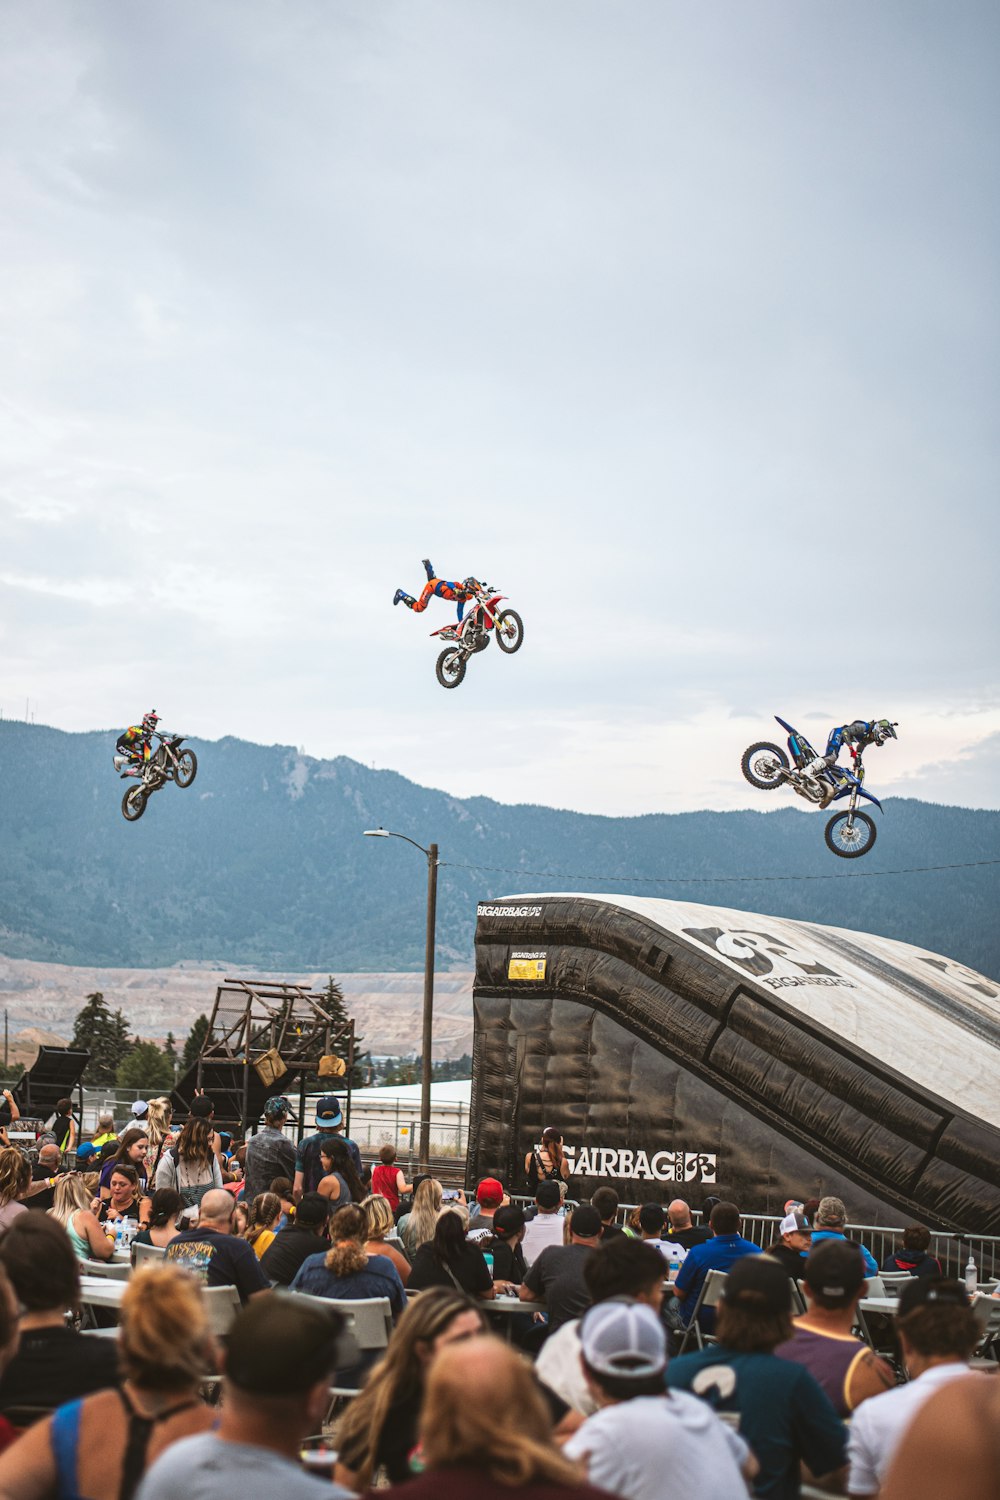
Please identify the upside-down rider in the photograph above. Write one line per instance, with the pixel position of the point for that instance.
(861, 733)
(460, 592)
(135, 742)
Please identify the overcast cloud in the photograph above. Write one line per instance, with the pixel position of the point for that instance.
(679, 322)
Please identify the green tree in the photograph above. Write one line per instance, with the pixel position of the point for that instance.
(170, 1048)
(145, 1068)
(104, 1033)
(193, 1045)
(333, 1004)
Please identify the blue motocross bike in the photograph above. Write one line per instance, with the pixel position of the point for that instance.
(849, 833)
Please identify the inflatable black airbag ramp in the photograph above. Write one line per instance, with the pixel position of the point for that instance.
(685, 1050)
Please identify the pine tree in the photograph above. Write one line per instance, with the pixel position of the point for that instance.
(146, 1068)
(195, 1038)
(170, 1048)
(333, 1004)
(105, 1035)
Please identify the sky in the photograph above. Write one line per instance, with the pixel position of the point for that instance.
(679, 323)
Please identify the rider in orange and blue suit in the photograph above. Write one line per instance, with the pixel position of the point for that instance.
(461, 592)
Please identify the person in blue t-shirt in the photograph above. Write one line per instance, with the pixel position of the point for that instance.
(722, 1251)
(784, 1414)
(830, 1223)
(308, 1167)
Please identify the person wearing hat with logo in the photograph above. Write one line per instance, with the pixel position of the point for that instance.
(830, 1223)
(783, 1412)
(557, 1276)
(794, 1243)
(489, 1196)
(269, 1153)
(824, 1341)
(937, 1334)
(308, 1167)
(638, 1424)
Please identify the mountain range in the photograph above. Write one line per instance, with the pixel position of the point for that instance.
(261, 863)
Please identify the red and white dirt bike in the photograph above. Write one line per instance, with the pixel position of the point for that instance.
(473, 634)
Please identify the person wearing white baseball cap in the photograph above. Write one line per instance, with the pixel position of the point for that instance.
(639, 1423)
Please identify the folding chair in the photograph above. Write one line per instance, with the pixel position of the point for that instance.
(367, 1321)
(892, 1282)
(146, 1254)
(222, 1303)
(986, 1311)
(712, 1288)
(111, 1270)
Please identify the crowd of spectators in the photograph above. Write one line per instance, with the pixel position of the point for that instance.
(600, 1371)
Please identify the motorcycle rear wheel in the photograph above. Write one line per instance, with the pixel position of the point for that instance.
(762, 769)
(450, 668)
(187, 767)
(134, 803)
(850, 842)
(510, 631)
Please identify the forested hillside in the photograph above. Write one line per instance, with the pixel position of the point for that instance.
(261, 862)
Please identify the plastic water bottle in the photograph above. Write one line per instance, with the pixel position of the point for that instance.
(119, 1231)
(489, 1263)
(971, 1278)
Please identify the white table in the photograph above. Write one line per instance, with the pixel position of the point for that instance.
(100, 1291)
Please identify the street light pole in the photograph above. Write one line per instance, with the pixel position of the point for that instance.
(427, 1026)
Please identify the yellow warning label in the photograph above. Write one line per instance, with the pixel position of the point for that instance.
(526, 968)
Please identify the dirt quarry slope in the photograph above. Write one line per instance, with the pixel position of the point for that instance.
(44, 998)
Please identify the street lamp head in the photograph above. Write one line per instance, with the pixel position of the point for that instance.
(377, 833)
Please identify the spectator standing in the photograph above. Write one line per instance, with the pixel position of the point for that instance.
(131, 1153)
(449, 1260)
(63, 1127)
(100, 1446)
(84, 1231)
(105, 1134)
(719, 1253)
(379, 1223)
(339, 1182)
(487, 1433)
(783, 1414)
(388, 1179)
(138, 1115)
(638, 1422)
(557, 1276)
(830, 1223)
(297, 1241)
(380, 1427)
(953, 1449)
(793, 1243)
(346, 1269)
(913, 1256)
(937, 1334)
(417, 1227)
(158, 1133)
(308, 1169)
(214, 1254)
(547, 1162)
(606, 1201)
(165, 1208)
(277, 1367)
(683, 1231)
(53, 1363)
(489, 1196)
(547, 1225)
(202, 1108)
(269, 1153)
(44, 1173)
(15, 1179)
(262, 1218)
(623, 1268)
(191, 1167)
(823, 1341)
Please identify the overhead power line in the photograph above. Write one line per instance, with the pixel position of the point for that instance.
(591, 879)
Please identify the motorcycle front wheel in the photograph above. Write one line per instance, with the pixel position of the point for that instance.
(762, 765)
(134, 803)
(851, 834)
(510, 631)
(187, 768)
(450, 668)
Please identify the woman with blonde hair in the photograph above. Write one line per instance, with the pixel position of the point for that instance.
(262, 1217)
(417, 1227)
(346, 1269)
(15, 1179)
(73, 1211)
(486, 1431)
(161, 1137)
(102, 1445)
(191, 1167)
(379, 1428)
(378, 1217)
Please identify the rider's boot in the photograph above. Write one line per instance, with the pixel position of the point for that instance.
(427, 568)
(402, 597)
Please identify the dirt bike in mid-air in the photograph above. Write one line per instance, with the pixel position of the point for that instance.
(167, 763)
(473, 634)
(849, 834)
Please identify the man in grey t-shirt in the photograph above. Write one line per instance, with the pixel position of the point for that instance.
(279, 1361)
(270, 1153)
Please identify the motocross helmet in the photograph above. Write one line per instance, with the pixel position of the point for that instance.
(472, 584)
(883, 730)
(150, 721)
